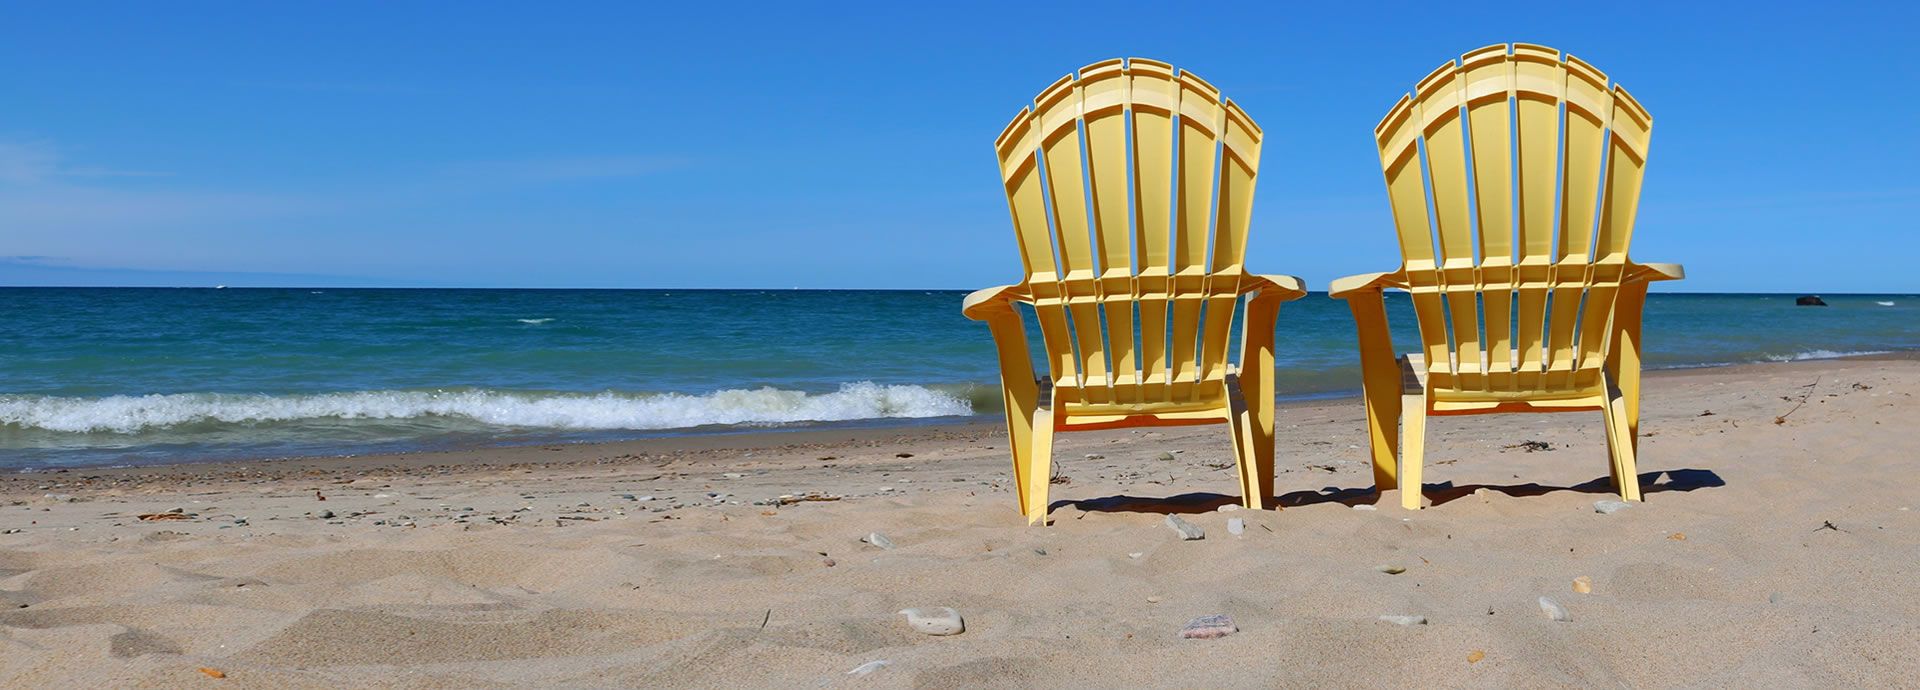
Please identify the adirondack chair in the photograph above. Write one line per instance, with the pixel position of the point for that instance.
(1134, 269)
(1556, 330)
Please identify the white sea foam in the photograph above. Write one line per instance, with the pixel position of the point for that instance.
(124, 414)
(1884, 304)
(533, 321)
(1821, 354)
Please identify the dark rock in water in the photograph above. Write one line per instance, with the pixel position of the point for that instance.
(1809, 301)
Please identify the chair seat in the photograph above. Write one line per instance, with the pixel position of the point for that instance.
(1413, 380)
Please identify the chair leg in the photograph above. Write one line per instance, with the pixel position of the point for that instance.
(1623, 362)
(1626, 476)
(1381, 384)
(1033, 464)
(1252, 429)
(1413, 441)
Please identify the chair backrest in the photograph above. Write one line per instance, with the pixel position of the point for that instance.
(1133, 251)
(1532, 168)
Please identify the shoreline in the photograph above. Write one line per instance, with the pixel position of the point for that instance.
(542, 454)
(1776, 541)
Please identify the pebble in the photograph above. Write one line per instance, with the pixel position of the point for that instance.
(627, 496)
(1209, 627)
(1236, 526)
(1405, 620)
(1166, 456)
(1583, 585)
(1188, 531)
(60, 498)
(1155, 599)
(325, 515)
(1228, 508)
(1390, 569)
(644, 499)
(1135, 554)
(938, 620)
(868, 667)
(1554, 610)
(1096, 456)
(1364, 506)
(1610, 507)
(878, 539)
(732, 475)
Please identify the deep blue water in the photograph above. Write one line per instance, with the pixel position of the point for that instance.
(112, 375)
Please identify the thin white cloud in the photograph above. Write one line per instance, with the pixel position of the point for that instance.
(33, 161)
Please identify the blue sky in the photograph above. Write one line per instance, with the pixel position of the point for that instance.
(723, 145)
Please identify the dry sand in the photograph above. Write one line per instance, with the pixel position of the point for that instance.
(1766, 555)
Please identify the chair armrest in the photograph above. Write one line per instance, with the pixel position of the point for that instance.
(1288, 288)
(1647, 273)
(982, 303)
(1343, 288)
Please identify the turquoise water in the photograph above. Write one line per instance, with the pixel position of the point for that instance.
(113, 375)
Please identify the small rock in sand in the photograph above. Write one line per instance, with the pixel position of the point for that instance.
(938, 620)
(1096, 456)
(1405, 620)
(1583, 585)
(1135, 554)
(1209, 627)
(1390, 569)
(1166, 456)
(1188, 531)
(868, 667)
(1364, 506)
(325, 515)
(878, 539)
(1236, 526)
(1610, 507)
(1228, 508)
(1554, 610)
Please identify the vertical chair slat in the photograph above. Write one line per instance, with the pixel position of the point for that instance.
(1239, 167)
(1057, 111)
(1584, 131)
(1439, 102)
(1628, 131)
(1026, 199)
(1200, 113)
(1488, 87)
(1398, 138)
(1154, 101)
(1103, 89)
(1539, 83)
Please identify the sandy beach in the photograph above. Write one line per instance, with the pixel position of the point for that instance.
(1777, 547)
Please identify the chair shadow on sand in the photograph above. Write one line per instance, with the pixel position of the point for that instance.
(1681, 480)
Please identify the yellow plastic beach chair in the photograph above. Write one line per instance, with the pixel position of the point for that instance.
(1558, 328)
(1134, 260)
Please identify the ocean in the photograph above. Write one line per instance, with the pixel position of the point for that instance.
(109, 376)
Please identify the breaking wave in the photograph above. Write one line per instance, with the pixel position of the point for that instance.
(128, 414)
(1821, 354)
